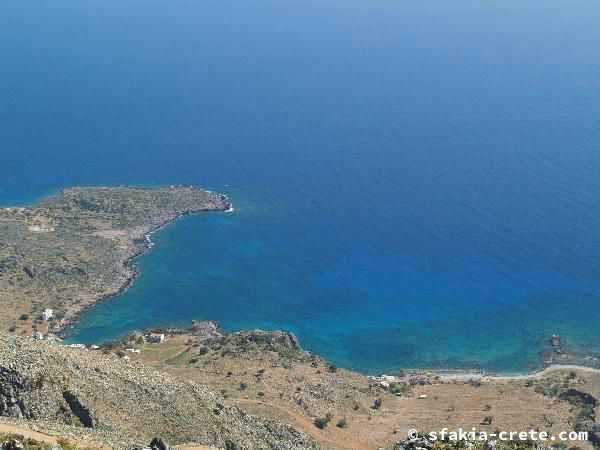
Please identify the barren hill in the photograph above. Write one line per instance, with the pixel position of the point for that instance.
(45, 382)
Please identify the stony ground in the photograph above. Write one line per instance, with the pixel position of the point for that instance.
(269, 375)
(257, 389)
(126, 401)
(69, 250)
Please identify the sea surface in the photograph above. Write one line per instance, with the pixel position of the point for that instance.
(416, 183)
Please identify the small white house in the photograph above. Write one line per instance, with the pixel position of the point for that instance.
(76, 345)
(47, 315)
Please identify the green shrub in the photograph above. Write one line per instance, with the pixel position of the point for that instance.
(321, 422)
(342, 424)
(399, 388)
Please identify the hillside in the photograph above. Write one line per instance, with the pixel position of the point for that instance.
(260, 390)
(128, 401)
(269, 375)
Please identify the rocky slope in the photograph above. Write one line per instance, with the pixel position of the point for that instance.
(41, 381)
(269, 375)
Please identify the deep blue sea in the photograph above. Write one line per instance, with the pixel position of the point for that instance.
(416, 182)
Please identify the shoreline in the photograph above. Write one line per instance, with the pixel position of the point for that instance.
(142, 243)
(402, 374)
(449, 375)
(65, 327)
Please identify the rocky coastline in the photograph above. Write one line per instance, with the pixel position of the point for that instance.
(77, 247)
(131, 271)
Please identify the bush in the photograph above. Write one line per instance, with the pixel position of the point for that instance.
(12, 328)
(109, 345)
(24, 317)
(342, 424)
(332, 368)
(377, 403)
(399, 388)
(243, 386)
(548, 388)
(63, 442)
(321, 422)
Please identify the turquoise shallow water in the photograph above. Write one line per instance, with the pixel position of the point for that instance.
(416, 183)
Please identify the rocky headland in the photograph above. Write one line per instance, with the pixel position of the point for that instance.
(74, 248)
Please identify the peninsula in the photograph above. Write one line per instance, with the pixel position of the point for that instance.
(73, 249)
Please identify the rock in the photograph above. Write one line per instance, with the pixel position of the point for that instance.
(13, 444)
(490, 445)
(207, 329)
(158, 444)
(413, 444)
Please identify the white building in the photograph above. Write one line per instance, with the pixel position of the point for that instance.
(47, 315)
